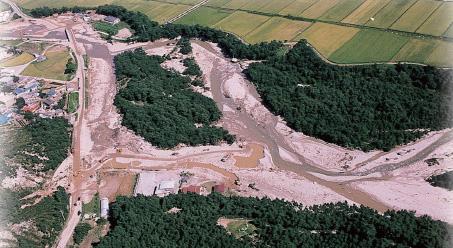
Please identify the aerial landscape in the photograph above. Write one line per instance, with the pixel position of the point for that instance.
(226, 123)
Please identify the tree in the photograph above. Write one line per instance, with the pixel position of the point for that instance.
(20, 103)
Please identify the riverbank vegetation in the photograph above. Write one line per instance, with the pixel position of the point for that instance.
(160, 106)
(276, 224)
(366, 107)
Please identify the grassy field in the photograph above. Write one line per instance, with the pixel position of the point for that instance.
(415, 50)
(52, 68)
(390, 13)
(416, 15)
(256, 4)
(449, 32)
(369, 46)
(205, 16)
(73, 102)
(21, 59)
(217, 3)
(277, 28)
(339, 11)
(439, 21)
(327, 38)
(442, 54)
(235, 4)
(362, 14)
(241, 23)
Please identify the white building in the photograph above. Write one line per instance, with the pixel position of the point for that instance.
(104, 207)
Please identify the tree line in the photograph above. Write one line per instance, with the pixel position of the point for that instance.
(160, 106)
(145, 222)
(147, 30)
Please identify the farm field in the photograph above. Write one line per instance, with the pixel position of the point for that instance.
(449, 32)
(277, 28)
(439, 21)
(390, 13)
(205, 16)
(327, 38)
(442, 54)
(362, 14)
(415, 50)
(256, 4)
(415, 15)
(217, 3)
(297, 7)
(339, 11)
(21, 59)
(241, 23)
(369, 46)
(235, 4)
(52, 68)
(275, 6)
(319, 8)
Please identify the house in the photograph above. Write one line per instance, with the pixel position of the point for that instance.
(39, 57)
(51, 92)
(219, 188)
(19, 91)
(4, 118)
(48, 102)
(32, 107)
(32, 86)
(112, 20)
(191, 189)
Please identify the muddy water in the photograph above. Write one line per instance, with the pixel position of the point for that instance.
(252, 160)
(266, 133)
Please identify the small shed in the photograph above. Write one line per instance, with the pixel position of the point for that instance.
(104, 207)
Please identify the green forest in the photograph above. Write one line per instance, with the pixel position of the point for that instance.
(160, 106)
(365, 107)
(45, 141)
(144, 222)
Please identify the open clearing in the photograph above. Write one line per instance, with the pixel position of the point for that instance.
(415, 50)
(390, 13)
(327, 38)
(204, 16)
(241, 23)
(367, 10)
(237, 227)
(369, 46)
(341, 10)
(52, 68)
(21, 59)
(416, 15)
(277, 28)
(439, 21)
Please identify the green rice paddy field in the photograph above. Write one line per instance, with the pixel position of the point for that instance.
(337, 29)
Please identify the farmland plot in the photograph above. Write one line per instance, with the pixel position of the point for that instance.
(416, 15)
(319, 8)
(256, 4)
(439, 21)
(275, 6)
(217, 3)
(327, 38)
(370, 46)
(277, 28)
(241, 23)
(341, 10)
(235, 4)
(205, 16)
(365, 12)
(390, 13)
(297, 7)
(415, 50)
(442, 54)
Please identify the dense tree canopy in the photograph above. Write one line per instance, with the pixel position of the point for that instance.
(44, 141)
(160, 106)
(144, 222)
(366, 107)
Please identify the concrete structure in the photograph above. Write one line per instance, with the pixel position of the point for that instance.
(104, 207)
(219, 188)
(191, 189)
